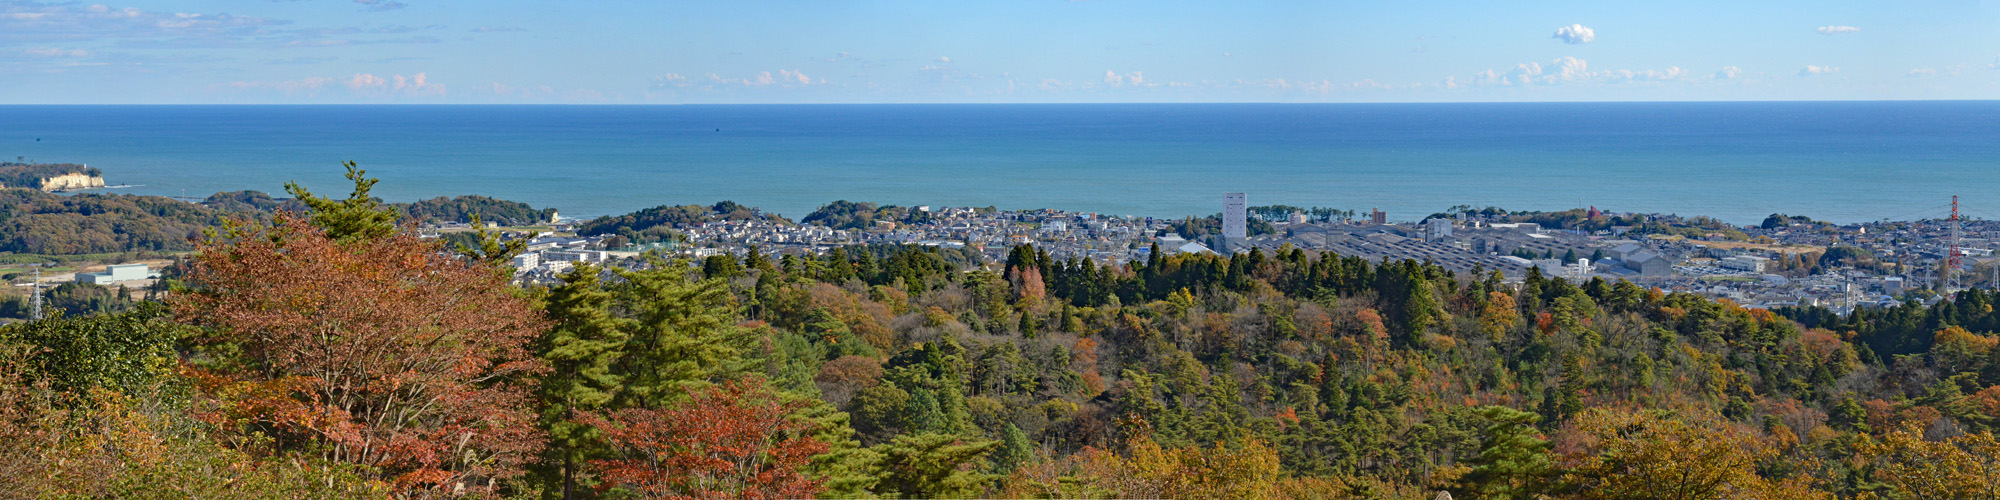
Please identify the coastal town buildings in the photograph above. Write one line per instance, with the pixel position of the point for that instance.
(1880, 263)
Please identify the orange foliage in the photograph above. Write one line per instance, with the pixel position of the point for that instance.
(388, 352)
(864, 317)
(1988, 401)
(1822, 343)
(1545, 323)
(731, 441)
(1371, 323)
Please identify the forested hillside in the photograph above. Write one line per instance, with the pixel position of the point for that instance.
(843, 214)
(44, 223)
(36, 222)
(657, 223)
(463, 208)
(903, 372)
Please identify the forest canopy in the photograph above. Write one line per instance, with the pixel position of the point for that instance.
(44, 223)
(657, 223)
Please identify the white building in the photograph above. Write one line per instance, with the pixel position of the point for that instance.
(114, 274)
(1749, 263)
(586, 256)
(1437, 229)
(1234, 212)
(527, 261)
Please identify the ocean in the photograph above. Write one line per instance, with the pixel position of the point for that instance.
(1836, 161)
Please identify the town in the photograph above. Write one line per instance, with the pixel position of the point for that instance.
(1787, 261)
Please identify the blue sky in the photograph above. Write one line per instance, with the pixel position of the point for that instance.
(753, 51)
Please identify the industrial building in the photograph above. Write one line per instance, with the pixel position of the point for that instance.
(117, 273)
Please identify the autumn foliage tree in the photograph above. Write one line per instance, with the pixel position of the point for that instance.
(732, 441)
(378, 350)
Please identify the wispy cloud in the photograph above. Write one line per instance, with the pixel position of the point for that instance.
(1811, 70)
(498, 29)
(784, 78)
(26, 21)
(1575, 34)
(1728, 73)
(42, 23)
(55, 52)
(306, 86)
(302, 60)
(380, 5)
(1836, 30)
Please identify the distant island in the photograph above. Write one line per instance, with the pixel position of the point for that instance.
(50, 177)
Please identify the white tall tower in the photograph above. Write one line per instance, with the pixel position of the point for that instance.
(1233, 213)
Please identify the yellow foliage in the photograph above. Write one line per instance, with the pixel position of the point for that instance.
(1250, 471)
(1963, 467)
(1645, 455)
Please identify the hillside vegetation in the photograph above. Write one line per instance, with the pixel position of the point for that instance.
(43, 223)
(335, 355)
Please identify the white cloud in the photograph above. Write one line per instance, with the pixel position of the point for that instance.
(1565, 70)
(1570, 68)
(366, 81)
(1575, 34)
(1836, 30)
(1922, 72)
(1811, 70)
(1728, 72)
(1522, 74)
(943, 59)
(1136, 79)
(1648, 75)
(412, 85)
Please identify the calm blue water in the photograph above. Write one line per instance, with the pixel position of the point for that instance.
(1845, 162)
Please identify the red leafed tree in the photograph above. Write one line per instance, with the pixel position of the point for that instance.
(391, 353)
(726, 442)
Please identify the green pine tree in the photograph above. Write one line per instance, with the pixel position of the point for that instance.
(932, 465)
(490, 249)
(684, 334)
(1015, 450)
(359, 217)
(1513, 459)
(923, 414)
(581, 349)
